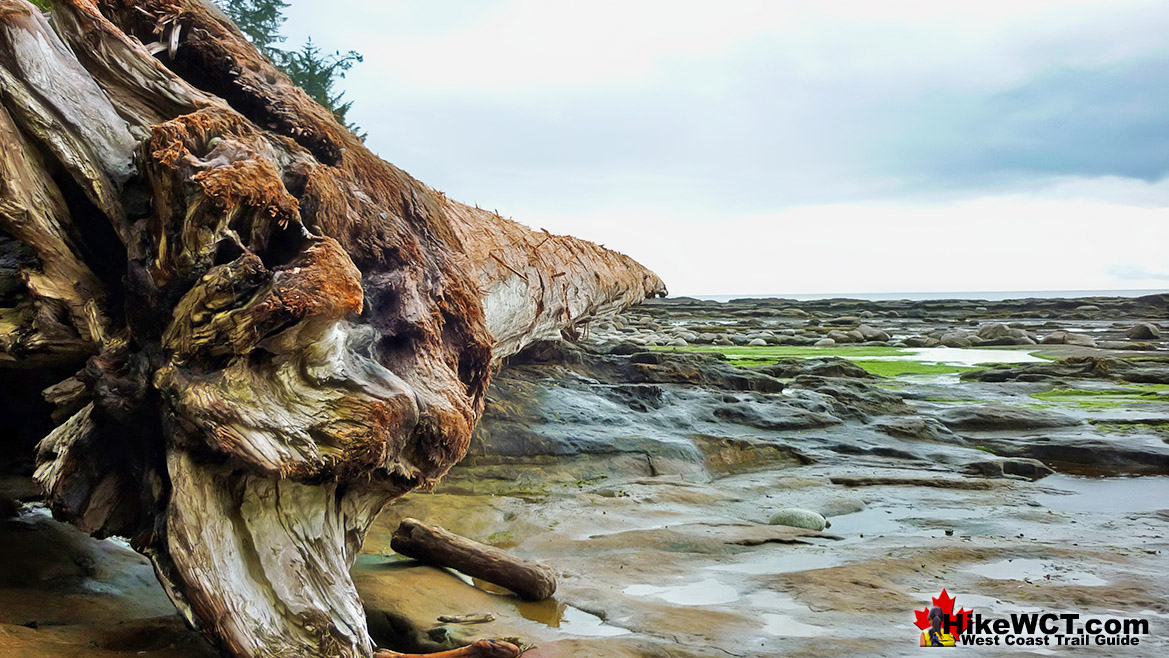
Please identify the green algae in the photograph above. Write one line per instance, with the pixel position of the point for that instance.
(1108, 398)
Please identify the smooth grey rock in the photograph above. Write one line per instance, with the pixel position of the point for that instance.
(869, 333)
(997, 330)
(1143, 331)
(1032, 469)
(921, 341)
(1082, 340)
(840, 336)
(1055, 338)
(955, 339)
(796, 517)
(1001, 417)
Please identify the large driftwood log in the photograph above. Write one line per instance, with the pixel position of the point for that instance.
(433, 545)
(262, 332)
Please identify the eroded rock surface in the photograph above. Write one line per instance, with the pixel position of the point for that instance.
(647, 480)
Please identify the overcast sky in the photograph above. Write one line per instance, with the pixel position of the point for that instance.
(759, 146)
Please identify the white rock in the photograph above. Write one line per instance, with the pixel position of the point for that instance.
(799, 518)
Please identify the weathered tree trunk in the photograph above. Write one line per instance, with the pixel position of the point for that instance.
(264, 331)
(436, 546)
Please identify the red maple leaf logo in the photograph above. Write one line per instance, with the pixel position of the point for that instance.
(946, 603)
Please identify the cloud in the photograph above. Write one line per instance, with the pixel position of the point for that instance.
(1030, 241)
(765, 146)
(518, 45)
(1085, 122)
(1137, 273)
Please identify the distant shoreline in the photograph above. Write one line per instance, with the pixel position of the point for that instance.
(990, 296)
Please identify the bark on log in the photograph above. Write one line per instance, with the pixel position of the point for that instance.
(439, 547)
(263, 331)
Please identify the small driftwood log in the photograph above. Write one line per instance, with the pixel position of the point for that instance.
(479, 649)
(467, 619)
(433, 545)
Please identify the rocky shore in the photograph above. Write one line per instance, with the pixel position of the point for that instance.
(1109, 322)
(674, 465)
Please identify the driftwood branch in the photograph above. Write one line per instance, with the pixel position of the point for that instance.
(436, 546)
(478, 649)
(260, 331)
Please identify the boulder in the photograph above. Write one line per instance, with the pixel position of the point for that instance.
(869, 333)
(825, 342)
(1055, 338)
(992, 331)
(921, 341)
(1143, 331)
(832, 366)
(1082, 340)
(796, 517)
(840, 336)
(955, 339)
(757, 342)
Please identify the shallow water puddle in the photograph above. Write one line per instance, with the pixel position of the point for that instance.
(1032, 570)
(870, 521)
(978, 602)
(550, 612)
(704, 592)
(959, 356)
(1117, 495)
(787, 626)
(579, 622)
(771, 600)
(568, 619)
(803, 558)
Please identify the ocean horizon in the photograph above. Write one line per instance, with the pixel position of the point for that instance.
(989, 296)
